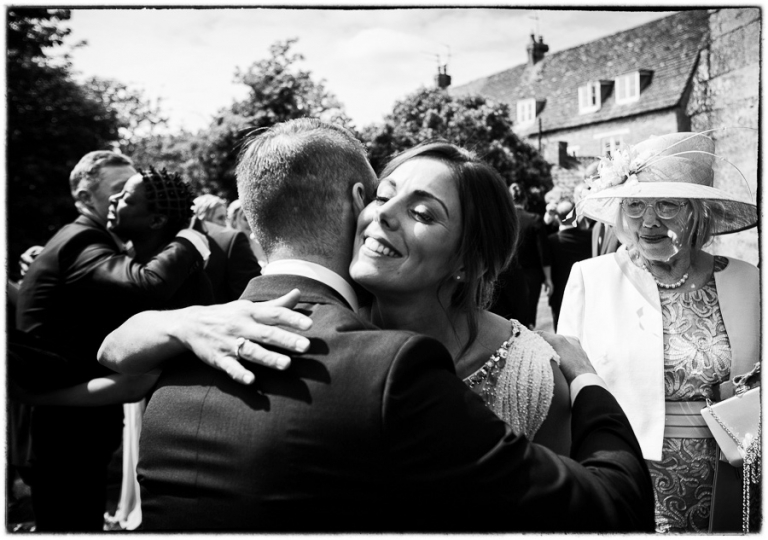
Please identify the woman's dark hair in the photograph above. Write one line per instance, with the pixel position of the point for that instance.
(169, 195)
(489, 224)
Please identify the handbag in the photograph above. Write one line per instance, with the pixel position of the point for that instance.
(735, 424)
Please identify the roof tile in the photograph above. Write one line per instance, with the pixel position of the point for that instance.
(668, 47)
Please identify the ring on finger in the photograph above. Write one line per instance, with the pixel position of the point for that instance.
(238, 345)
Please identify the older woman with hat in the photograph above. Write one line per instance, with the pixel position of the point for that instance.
(664, 322)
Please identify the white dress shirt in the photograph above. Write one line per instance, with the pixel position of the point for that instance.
(297, 267)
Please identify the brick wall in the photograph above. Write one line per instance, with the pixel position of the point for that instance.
(725, 93)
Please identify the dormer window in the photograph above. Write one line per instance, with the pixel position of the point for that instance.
(589, 97)
(526, 111)
(628, 86)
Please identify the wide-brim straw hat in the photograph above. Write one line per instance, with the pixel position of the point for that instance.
(679, 166)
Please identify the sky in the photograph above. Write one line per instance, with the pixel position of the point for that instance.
(368, 58)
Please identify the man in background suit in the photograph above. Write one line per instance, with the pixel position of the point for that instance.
(78, 289)
(520, 284)
(369, 430)
(604, 239)
(232, 263)
(570, 244)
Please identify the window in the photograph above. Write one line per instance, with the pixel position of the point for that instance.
(589, 97)
(611, 141)
(611, 144)
(628, 88)
(526, 112)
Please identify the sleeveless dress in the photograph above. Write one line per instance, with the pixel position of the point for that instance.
(516, 382)
(697, 357)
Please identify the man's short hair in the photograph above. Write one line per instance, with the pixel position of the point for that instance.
(294, 180)
(563, 209)
(90, 165)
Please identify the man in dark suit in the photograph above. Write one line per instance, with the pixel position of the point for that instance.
(232, 263)
(78, 289)
(571, 244)
(369, 430)
(604, 239)
(520, 284)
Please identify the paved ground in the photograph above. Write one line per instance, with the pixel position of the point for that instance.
(544, 314)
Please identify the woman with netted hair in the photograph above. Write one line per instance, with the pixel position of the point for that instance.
(663, 322)
(211, 208)
(152, 208)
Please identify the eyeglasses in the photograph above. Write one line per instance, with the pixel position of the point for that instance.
(664, 208)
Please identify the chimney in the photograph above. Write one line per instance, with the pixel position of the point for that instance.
(443, 80)
(536, 50)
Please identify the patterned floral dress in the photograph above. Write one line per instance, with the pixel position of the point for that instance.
(697, 357)
(516, 383)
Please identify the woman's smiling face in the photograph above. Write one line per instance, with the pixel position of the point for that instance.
(408, 238)
(660, 239)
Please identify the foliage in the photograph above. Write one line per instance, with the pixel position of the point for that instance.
(52, 123)
(137, 116)
(278, 91)
(473, 122)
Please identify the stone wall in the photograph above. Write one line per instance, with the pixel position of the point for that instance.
(567, 174)
(638, 128)
(726, 93)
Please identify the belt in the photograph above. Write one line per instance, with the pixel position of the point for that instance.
(683, 420)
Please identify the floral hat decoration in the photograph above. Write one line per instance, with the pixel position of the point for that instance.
(677, 166)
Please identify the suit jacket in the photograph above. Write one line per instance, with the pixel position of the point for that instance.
(78, 290)
(81, 287)
(371, 430)
(532, 253)
(604, 239)
(614, 308)
(566, 248)
(232, 263)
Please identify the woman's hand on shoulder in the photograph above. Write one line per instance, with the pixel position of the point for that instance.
(213, 334)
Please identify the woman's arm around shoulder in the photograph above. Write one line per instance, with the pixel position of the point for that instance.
(213, 333)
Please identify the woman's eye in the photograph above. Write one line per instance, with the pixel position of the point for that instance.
(379, 199)
(422, 216)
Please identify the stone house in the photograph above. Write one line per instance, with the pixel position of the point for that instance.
(694, 70)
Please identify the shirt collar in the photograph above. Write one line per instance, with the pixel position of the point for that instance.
(297, 267)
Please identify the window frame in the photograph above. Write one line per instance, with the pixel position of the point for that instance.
(622, 86)
(526, 106)
(591, 103)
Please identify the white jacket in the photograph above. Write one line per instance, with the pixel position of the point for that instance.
(613, 308)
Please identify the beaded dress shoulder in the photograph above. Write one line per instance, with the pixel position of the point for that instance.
(516, 382)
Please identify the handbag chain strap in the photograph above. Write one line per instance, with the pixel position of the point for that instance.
(751, 466)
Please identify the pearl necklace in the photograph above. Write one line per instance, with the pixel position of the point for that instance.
(674, 285)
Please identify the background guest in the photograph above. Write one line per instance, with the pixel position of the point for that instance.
(685, 321)
(571, 244)
(532, 259)
(78, 289)
(236, 220)
(211, 208)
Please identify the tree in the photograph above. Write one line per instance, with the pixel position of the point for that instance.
(278, 92)
(52, 123)
(473, 122)
(138, 117)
